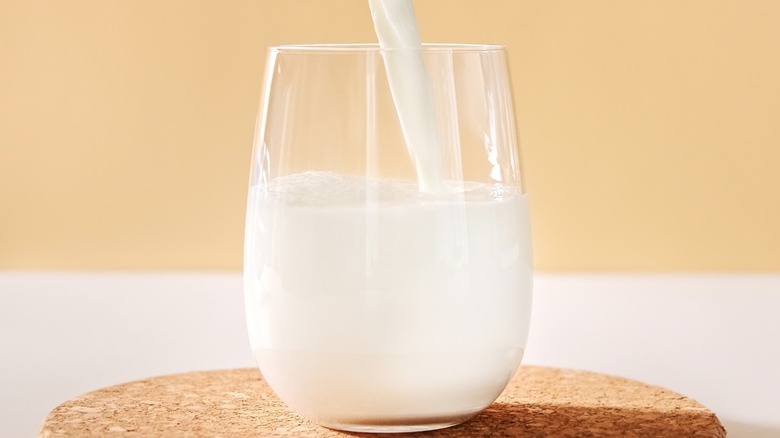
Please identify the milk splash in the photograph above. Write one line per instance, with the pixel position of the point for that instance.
(399, 39)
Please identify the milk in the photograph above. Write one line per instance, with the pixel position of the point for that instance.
(396, 29)
(380, 305)
(370, 302)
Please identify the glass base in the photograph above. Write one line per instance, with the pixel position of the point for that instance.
(399, 425)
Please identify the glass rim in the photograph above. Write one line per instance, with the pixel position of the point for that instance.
(374, 47)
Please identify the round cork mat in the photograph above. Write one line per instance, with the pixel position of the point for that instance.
(539, 402)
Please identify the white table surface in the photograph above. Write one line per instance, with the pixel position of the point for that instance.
(715, 338)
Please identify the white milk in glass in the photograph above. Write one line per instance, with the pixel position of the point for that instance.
(410, 305)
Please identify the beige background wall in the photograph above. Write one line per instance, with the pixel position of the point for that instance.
(650, 129)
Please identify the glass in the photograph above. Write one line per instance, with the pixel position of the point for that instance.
(371, 305)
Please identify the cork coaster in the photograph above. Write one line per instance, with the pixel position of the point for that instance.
(539, 402)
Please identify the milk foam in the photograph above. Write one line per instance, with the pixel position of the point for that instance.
(331, 188)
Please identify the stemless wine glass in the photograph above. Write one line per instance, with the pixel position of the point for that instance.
(373, 305)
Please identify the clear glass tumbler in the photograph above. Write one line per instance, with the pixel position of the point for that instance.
(376, 302)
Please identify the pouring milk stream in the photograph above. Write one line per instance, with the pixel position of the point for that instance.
(396, 29)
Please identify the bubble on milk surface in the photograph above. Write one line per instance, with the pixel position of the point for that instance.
(331, 188)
